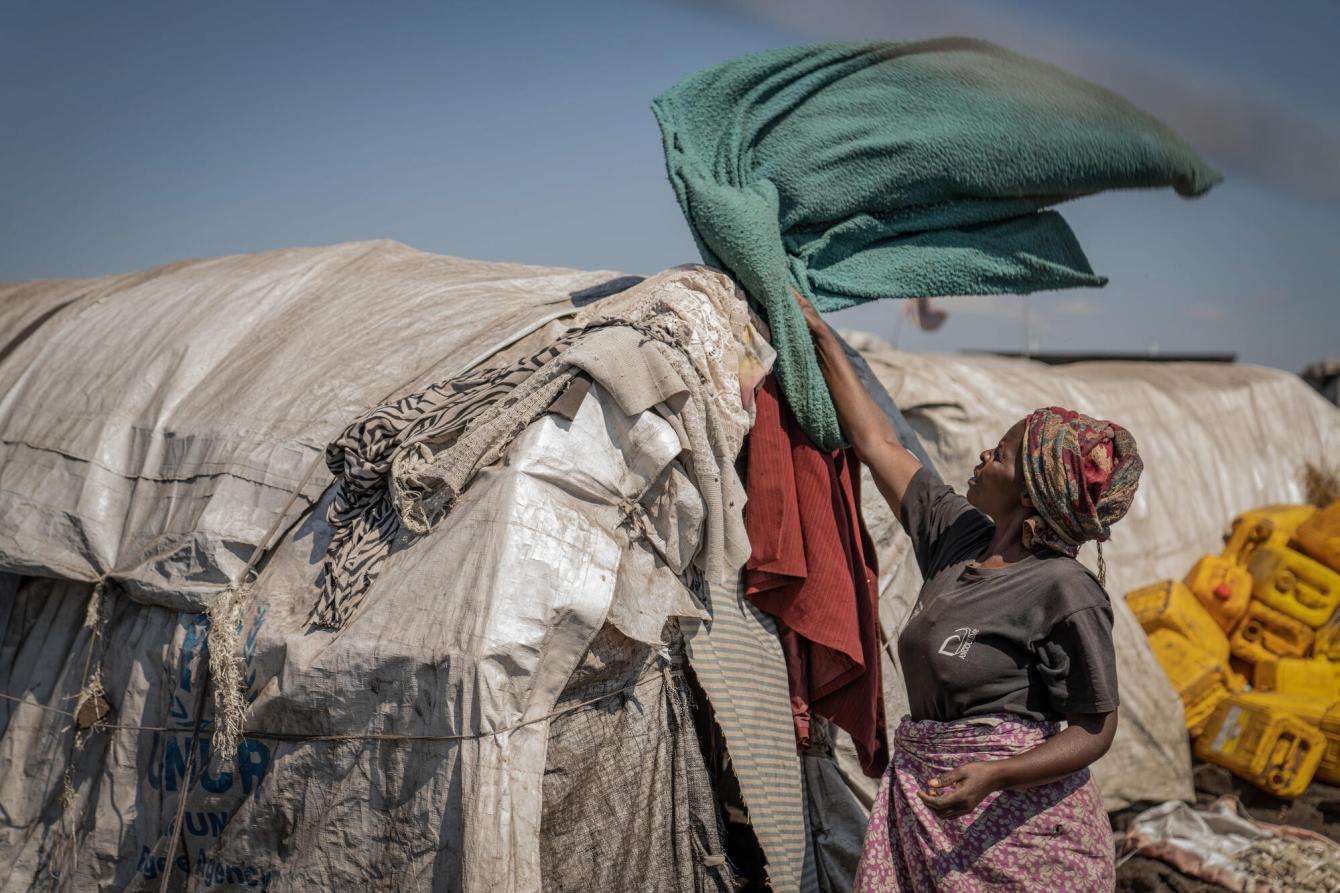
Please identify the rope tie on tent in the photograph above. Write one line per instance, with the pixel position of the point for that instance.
(92, 697)
(633, 517)
(665, 672)
(226, 665)
(226, 671)
(90, 708)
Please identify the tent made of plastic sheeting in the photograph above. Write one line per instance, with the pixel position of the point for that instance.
(407, 751)
(1216, 440)
(153, 425)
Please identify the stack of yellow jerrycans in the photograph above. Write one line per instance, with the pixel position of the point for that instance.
(1251, 642)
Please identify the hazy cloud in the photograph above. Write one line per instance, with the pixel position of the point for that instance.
(1234, 122)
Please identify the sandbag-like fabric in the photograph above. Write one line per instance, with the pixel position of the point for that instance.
(861, 171)
(613, 770)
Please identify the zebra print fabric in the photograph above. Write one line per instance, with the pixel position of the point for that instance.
(362, 514)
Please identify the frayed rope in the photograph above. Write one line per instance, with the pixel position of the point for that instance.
(228, 670)
(91, 694)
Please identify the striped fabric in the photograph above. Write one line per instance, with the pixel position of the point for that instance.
(362, 515)
(738, 660)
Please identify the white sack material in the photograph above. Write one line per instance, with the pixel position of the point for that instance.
(475, 629)
(153, 425)
(405, 752)
(1224, 846)
(1216, 439)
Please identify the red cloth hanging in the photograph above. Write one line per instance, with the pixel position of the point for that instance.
(813, 568)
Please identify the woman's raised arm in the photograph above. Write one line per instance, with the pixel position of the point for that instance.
(863, 423)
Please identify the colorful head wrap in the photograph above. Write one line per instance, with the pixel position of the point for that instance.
(1081, 474)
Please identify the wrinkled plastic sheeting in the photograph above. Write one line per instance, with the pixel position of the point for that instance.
(125, 780)
(1223, 846)
(1216, 440)
(477, 628)
(153, 425)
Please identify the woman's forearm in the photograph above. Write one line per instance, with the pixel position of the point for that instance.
(863, 422)
(959, 791)
(866, 427)
(1080, 743)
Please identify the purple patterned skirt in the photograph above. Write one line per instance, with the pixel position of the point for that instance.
(1051, 837)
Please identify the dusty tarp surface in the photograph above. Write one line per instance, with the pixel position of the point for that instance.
(893, 170)
(477, 629)
(153, 425)
(1216, 440)
(628, 800)
(239, 341)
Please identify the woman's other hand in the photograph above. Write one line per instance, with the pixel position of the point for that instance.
(959, 791)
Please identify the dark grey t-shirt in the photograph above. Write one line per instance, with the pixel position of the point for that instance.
(1033, 639)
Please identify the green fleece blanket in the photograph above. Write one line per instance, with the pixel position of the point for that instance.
(896, 170)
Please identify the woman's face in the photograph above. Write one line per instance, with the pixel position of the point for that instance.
(997, 486)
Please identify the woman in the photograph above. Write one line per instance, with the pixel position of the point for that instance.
(1010, 635)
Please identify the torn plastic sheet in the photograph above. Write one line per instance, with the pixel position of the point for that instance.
(1225, 846)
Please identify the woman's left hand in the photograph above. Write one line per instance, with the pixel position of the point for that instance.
(958, 791)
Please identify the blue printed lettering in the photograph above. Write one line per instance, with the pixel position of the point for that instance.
(196, 824)
(214, 784)
(217, 822)
(253, 762)
(174, 763)
(189, 644)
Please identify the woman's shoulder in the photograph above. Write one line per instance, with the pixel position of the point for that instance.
(1070, 586)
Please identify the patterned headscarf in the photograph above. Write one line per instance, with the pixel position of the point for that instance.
(1081, 474)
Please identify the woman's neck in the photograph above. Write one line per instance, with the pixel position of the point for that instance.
(1007, 544)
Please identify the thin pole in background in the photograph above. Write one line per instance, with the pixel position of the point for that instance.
(898, 324)
(1028, 327)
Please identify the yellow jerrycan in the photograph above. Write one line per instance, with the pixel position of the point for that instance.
(1274, 525)
(1294, 584)
(1258, 738)
(1222, 588)
(1319, 536)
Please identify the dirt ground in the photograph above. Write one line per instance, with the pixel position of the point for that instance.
(1317, 810)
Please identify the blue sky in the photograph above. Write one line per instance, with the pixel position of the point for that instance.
(142, 133)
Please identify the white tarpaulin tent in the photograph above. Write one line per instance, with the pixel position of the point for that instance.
(153, 424)
(155, 427)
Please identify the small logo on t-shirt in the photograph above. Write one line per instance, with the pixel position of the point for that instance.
(958, 644)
